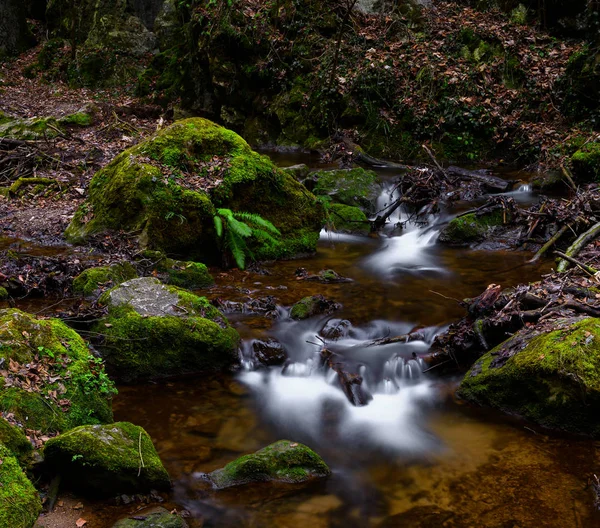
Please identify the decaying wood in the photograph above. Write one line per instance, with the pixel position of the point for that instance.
(581, 241)
(493, 183)
(573, 260)
(351, 382)
(549, 244)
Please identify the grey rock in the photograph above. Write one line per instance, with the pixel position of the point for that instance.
(147, 296)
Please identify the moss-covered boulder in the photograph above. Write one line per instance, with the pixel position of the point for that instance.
(348, 219)
(107, 459)
(30, 129)
(357, 187)
(152, 517)
(49, 380)
(3, 294)
(312, 306)
(283, 461)
(469, 228)
(552, 378)
(185, 274)
(153, 330)
(14, 439)
(20, 504)
(586, 163)
(167, 188)
(93, 280)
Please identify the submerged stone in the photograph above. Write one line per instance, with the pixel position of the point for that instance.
(552, 378)
(152, 517)
(313, 305)
(154, 330)
(20, 504)
(167, 188)
(107, 459)
(49, 379)
(283, 461)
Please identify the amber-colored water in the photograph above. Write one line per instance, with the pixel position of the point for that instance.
(414, 458)
(443, 464)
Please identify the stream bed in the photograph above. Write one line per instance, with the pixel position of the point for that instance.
(413, 456)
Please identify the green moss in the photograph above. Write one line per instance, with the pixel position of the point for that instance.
(74, 377)
(184, 274)
(356, 187)
(3, 294)
(470, 228)
(107, 459)
(20, 504)
(552, 379)
(30, 129)
(14, 439)
(311, 306)
(89, 281)
(283, 461)
(348, 219)
(82, 119)
(140, 346)
(586, 163)
(134, 195)
(153, 517)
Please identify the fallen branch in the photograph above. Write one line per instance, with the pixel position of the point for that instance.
(572, 260)
(549, 244)
(493, 183)
(574, 249)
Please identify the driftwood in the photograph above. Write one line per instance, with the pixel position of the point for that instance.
(549, 244)
(493, 183)
(572, 260)
(405, 338)
(574, 249)
(351, 382)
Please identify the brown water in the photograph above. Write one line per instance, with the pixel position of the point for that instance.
(411, 458)
(415, 458)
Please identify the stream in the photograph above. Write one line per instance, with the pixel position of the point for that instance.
(413, 456)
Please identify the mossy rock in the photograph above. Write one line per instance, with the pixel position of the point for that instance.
(14, 439)
(154, 330)
(470, 228)
(357, 187)
(552, 378)
(153, 517)
(107, 459)
(312, 306)
(74, 391)
(32, 128)
(153, 189)
(283, 461)
(348, 219)
(3, 294)
(20, 504)
(586, 163)
(184, 274)
(93, 280)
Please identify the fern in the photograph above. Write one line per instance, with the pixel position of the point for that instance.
(234, 228)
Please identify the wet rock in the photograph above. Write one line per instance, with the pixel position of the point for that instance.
(153, 330)
(299, 172)
(355, 187)
(268, 352)
(336, 329)
(185, 274)
(327, 276)
(134, 193)
(547, 377)
(348, 219)
(312, 306)
(50, 382)
(14, 439)
(586, 162)
(266, 306)
(167, 25)
(465, 230)
(94, 280)
(350, 381)
(425, 517)
(107, 459)
(283, 461)
(20, 504)
(153, 517)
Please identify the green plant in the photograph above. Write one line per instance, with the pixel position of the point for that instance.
(96, 380)
(234, 228)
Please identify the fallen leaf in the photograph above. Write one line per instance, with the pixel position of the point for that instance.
(80, 522)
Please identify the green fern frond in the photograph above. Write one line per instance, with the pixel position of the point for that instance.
(238, 248)
(263, 236)
(257, 220)
(218, 225)
(225, 213)
(239, 228)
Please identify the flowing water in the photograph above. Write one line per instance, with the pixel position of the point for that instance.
(413, 456)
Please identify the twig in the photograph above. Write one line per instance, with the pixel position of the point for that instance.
(549, 244)
(572, 260)
(141, 457)
(449, 298)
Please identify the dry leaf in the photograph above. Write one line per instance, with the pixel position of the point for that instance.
(80, 522)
